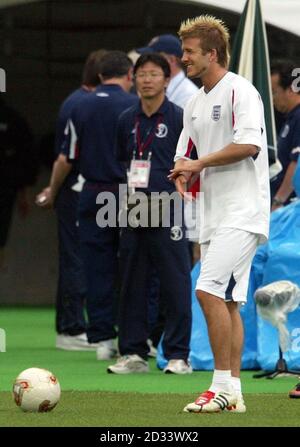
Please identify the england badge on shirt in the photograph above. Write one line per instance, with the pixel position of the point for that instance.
(216, 113)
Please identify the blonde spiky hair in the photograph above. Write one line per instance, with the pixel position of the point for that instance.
(213, 34)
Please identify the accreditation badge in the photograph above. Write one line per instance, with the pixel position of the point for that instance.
(139, 173)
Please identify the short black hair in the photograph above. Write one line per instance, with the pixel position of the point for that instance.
(284, 68)
(156, 59)
(114, 64)
(90, 74)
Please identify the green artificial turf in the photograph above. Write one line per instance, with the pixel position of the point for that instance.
(108, 409)
(91, 397)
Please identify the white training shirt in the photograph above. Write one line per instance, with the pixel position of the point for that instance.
(235, 195)
(180, 89)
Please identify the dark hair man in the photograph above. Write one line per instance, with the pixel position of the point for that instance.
(147, 136)
(286, 98)
(90, 142)
(63, 191)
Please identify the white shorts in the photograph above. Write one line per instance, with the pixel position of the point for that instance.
(226, 262)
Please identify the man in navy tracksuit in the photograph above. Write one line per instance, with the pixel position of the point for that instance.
(63, 190)
(147, 136)
(91, 141)
(286, 100)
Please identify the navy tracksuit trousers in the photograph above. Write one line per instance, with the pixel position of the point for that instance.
(99, 248)
(171, 259)
(71, 290)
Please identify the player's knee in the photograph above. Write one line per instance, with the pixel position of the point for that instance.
(232, 306)
(208, 301)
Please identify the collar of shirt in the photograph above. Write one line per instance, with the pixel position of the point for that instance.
(292, 112)
(175, 83)
(108, 88)
(161, 111)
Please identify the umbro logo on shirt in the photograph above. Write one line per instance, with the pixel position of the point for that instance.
(103, 95)
(194, 118)
(217, 282)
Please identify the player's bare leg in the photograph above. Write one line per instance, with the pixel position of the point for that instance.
(220, 394)
(219, 328)
(236, 354)
(237, 339)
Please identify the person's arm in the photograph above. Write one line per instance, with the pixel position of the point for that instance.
(60, 170)
(232, 153)
(286, 188)
(185, 145)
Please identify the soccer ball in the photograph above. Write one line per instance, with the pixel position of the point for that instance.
(36, 390)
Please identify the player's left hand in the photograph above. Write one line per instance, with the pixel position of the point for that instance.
(185, 166)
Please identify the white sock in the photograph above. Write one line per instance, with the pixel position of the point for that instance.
(236, 385)
(221, 381)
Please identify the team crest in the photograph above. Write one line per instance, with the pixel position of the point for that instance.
(161, 131)
(176, 233)
(216, 113)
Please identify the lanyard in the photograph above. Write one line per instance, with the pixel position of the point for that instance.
(142, 145)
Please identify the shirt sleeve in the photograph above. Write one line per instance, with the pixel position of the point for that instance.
(247, 116)
(185, 146)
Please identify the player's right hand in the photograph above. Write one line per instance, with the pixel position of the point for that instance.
(45, 199)
(181, 184)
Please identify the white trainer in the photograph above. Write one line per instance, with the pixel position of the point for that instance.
(74, 342)
(152, 350)
(239, 407)
(178, 366)
(106, 350)
(210, 402)
(128, 364)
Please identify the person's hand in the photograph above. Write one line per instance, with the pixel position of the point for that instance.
(185, 166)
(45, 198)
(181, 184)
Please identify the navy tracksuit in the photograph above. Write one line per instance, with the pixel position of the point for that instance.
(91, 141)
(288, 144)
(143, 247)
(71, 288)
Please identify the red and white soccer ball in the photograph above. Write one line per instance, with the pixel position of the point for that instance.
(36, 390)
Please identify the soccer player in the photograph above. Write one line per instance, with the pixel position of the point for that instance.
(225, 121)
